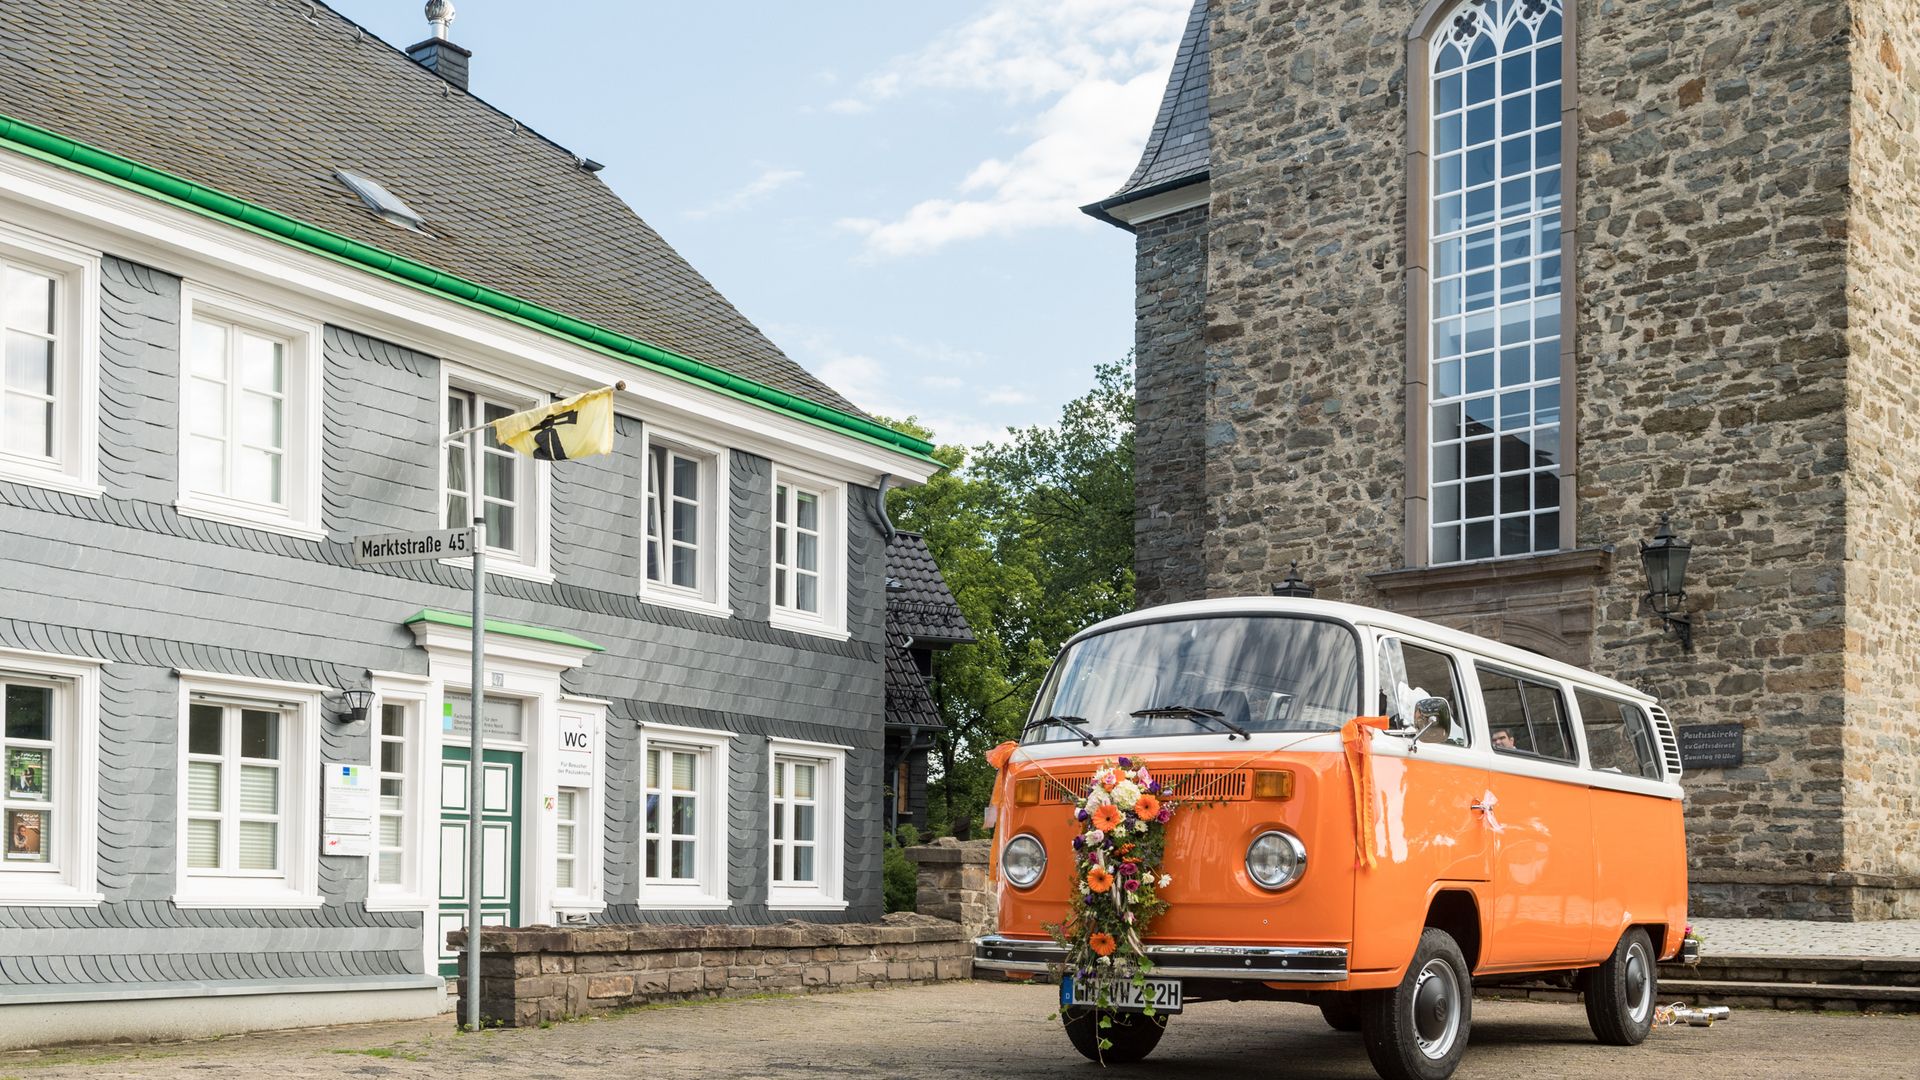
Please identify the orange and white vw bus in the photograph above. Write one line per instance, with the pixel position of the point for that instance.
(1377, 812)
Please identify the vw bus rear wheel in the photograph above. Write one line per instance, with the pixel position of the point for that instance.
(1133, 1035)
(1418, 1030)
(1622, 990)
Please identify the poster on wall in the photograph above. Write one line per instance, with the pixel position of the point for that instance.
(27, 835)
(346, 826)
(27, 772)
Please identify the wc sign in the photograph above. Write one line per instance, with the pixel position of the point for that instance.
(574, 736)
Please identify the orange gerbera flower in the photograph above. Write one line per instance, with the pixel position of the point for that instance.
(1146, 807)
(1099, 880)
(1101, 944)
(1106, 817)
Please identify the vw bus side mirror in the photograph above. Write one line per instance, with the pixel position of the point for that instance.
(1427, 712)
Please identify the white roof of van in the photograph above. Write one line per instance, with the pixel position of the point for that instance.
(1357, 615)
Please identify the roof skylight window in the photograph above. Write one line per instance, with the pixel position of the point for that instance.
(385, 203)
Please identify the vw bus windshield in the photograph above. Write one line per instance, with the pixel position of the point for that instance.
(1255, 673)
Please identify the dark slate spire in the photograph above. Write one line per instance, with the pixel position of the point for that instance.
(1177, 149)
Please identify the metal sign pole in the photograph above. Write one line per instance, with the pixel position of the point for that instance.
(476, 723)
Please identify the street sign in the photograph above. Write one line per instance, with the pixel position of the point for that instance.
(412, 547)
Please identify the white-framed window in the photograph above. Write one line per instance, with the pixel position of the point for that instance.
(568, 806)
(1495, 246)
(49, 409)
(686, 522)
(398, 728)
(249, 415)
(249, 797)
(48, 748)
(806, 824)
(809, 543)
(683, 823)
(507, 489)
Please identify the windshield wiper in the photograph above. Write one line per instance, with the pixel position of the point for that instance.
(1071, 723)
(1196, 714)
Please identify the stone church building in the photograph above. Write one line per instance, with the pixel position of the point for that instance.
(1450, 303)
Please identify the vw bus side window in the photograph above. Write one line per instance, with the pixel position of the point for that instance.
(1526, 718)
(1179, 677)
(1619, 737)
(1410, 672)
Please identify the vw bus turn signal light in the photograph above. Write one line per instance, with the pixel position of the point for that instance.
(1276, 784)
(1026, 792)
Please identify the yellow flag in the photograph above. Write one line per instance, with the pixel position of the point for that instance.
(577, 427)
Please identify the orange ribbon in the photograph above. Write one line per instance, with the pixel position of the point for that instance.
(998, 758)
(1356, 740)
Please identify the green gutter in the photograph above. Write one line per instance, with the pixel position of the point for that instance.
(494, 626)
(38, 142)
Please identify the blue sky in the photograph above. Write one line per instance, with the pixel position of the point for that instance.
(888, 189)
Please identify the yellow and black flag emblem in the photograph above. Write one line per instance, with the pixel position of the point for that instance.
(577, 427)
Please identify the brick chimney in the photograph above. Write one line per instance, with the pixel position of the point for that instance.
(437, 54)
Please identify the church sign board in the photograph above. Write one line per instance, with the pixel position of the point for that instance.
(1711, 746)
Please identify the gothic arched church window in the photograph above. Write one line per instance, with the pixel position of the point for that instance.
(1494, 240)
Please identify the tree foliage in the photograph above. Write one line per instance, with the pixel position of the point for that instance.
(1034, 535)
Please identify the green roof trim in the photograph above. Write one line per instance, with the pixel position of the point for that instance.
(76, 156)
(495, 626)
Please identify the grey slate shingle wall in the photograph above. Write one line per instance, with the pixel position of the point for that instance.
(125, 578)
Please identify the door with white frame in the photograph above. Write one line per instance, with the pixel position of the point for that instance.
(501, 819)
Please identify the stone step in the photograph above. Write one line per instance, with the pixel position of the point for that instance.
(1833, 970)
(1791, 995)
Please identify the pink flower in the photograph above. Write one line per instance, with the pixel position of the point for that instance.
(1165, 815)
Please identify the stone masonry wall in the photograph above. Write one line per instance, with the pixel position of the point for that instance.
(1882, 742)
(1711, 330)
(541, 974)
(954, 883)
(1169, 446)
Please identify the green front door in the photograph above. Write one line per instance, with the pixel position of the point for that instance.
(499, 842)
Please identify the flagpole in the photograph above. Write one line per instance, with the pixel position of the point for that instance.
(476, 724)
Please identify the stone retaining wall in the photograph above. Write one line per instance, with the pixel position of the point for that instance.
(539, 974)
(953, 883)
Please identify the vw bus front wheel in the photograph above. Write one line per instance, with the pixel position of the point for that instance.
(1133, 1035)
(1418, 1030)
(1621, 991)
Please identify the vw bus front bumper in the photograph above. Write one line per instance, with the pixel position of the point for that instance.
(1266, 963)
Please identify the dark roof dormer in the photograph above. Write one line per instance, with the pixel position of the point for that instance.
(1173, 170)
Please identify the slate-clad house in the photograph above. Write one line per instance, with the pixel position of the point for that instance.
(922, 618)
(253, 263)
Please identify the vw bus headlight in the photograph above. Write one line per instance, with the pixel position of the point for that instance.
(1023, 861)
(1276, 860)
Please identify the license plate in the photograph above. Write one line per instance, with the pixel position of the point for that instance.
(1162, 995)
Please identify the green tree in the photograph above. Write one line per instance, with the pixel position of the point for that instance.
(1034, 535)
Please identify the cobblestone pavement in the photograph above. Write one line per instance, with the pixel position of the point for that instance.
(983, 1030)
(1789, 937)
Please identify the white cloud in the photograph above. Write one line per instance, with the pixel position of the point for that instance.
(1007, 395)
(1093, 70)
(886, 389)
(769, 181)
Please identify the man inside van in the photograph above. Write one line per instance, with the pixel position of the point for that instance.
(1503, 740)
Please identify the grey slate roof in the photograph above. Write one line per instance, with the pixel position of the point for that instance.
(908, 702)
(1178, 147)
(919, 604)
(266, 100)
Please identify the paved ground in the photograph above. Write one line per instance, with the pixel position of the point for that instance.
(1788, 937)
(983, 1030)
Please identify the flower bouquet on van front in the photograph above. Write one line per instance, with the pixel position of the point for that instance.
(1117, 858)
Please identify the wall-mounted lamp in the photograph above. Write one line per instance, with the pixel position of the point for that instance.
(356, 703)
(1665, 561)
(1293, 584)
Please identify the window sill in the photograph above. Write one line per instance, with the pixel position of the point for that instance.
(240, 896)
(1574, 563)
(500, 564)
(691, 903)
(802, 903)
(779, 620)
(684, 602)
(579, 904)
(377, 902)
(49, 896)
(49, 479)
(231, 516)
